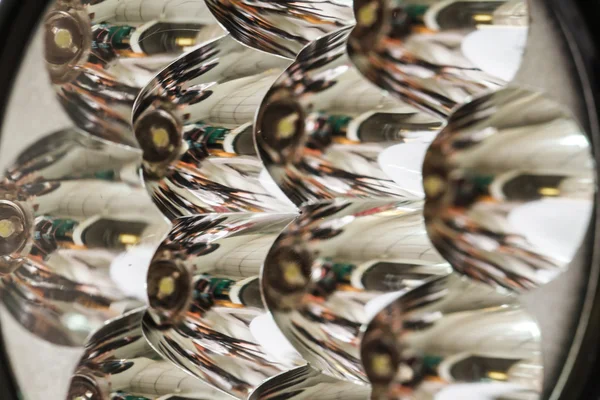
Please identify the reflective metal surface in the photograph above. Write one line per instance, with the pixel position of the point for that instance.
(436, 54)
(248, 300)
(509, 184)
(207, 315)
(306, 383)
(194, 125)
(323, 131)
(281, 27)
(118, 364)
(100, 53)
(77, 231)
(335, 267)
(453, 339)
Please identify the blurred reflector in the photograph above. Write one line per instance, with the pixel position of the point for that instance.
(414, 49)
(74, 208)
(509, 184)
(282, 28)
(119, 364)
(449, 339)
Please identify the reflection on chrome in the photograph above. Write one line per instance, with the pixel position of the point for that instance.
(323, 131)
(118, 364)
(77, 230)
(435, 55)
(194, 125)
(306, 383)
(282, 28)
(336, 266)
(452, 338)
(509, 184)
(100, 53)
(207, 315)
(58, 309)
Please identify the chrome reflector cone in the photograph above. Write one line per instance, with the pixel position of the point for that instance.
(206, 308)
(323, 131)
(281, 27)
(432, 54)
(453, 339)
(509, 184)
(101, 53)
(306, 383)
(119, 364)
(60, 310)
(335, 266)
(194, 125)
(80, 227)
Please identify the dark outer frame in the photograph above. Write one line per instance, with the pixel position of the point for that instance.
(579, 23)
(577, 20)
